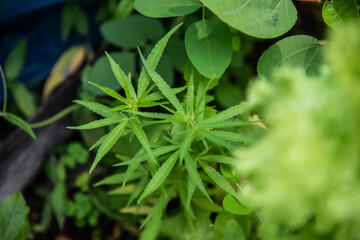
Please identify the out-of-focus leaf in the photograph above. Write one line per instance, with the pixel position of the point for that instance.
(231, 205)
(233, 231)
(123, 9)
(152, 29)
(15, 60)
(297, 51)
(14, 222)
(176, 52)
(338, 12)
(20, 123)
(81, 23)
(69, 62)
(166, 8)
(228, 94)
(102, 74)
(24, 99)
(122, 33)
(58, 199)
(68, 15)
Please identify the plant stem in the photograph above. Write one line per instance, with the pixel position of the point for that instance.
(203, 12)
(5, 88)
(56, 117)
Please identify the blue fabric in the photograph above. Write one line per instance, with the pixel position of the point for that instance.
(14, 8)
(39, 22)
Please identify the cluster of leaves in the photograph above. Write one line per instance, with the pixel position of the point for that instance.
(190, 140)
(25, 101)
(303, 176)
(56, 200)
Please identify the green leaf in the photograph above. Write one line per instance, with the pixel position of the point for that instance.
(202, 203)
(233, 231)
(214, 139)
(336, 13)
(122, 33)
(166, 70)
(117, 179)
(130, 171)
(194, 175)
(232, 205)
(159, 206)
(81, 23)
(58, 198)
(153, 60)
(139, 187)
(20, 123)
(230, 136)
(200, 100)
(297, 51)
(222, 182)
(142, 157)
(123, 9)
(14, 222)
(160, 176)
(141, 136)
(98, 108)
(165, 8)
(122, 79)
(190, 96)
(163, 86)
(183, 200)
(219, 159)
(153, 115)
(68, 15)
(98, 142)
(186, 143)
(209, 47)
(108, 143)
(119, 108)
(15, 60)
(102, 74)
(23, 97)
(256, 18)
(98, 123)
(151, 230)
(225, 124)
(228, 113)
(110, 93)
(228, 94)
(152, 29)
(190, 191)
(158, 95)
(176, 52)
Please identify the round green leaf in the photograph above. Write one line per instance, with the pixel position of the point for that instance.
(123, 33)
(101, 73)
(262, 19)
(152, 29)
(335, 13)
(297, 51)
(166, 8)
(209, 47)
(231, 205)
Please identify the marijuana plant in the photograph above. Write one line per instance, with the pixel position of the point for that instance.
(193, 141)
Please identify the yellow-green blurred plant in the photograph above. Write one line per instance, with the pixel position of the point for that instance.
(304, 175)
